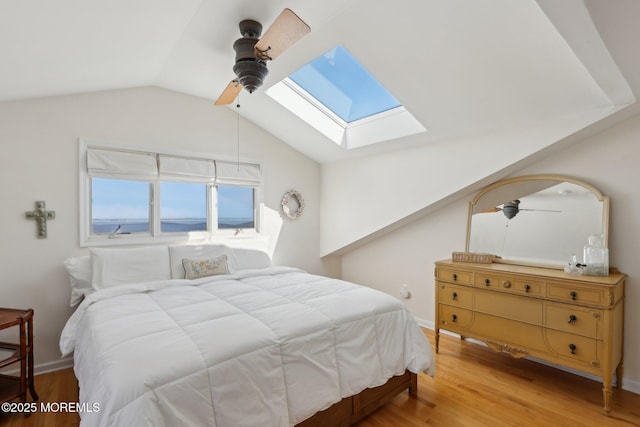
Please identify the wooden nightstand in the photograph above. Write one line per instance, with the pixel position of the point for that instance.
(13, 387)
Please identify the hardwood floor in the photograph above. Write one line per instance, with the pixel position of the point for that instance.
(54, 387)
(473, 386)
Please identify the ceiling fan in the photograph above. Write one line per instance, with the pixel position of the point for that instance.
(511, 208)
(252, 52)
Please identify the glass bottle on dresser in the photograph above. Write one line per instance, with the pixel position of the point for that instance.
(596, 257)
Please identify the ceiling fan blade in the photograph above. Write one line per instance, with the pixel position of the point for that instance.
(285, 31)
(230, 93)
(491, 210)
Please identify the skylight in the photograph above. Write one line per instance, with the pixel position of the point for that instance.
(344, 86)
(336, 95)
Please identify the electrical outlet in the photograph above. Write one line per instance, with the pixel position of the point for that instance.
(404, 292)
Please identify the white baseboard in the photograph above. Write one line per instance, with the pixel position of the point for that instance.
(426, 324)
(631, 385)
(627, 384)
(44, 368)
(56, 365)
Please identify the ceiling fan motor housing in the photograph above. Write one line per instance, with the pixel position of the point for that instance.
(511, 209)
(250, 70)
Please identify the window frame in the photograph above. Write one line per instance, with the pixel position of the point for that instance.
(155, 235)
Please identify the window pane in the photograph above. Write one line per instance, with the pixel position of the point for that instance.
(119, 203)
(235, 207)
(183, 207)
(344, 86)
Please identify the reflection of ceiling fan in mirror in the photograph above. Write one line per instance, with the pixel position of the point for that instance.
(510, 209)
(253, 52)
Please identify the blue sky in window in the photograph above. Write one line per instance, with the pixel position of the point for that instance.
(119, 199)
(183, 200)
(343, 85)
(235, 202)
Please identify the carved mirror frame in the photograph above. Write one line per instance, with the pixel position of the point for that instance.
(500, 192)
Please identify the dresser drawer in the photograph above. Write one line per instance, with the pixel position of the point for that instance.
(453, 275)
(454, 318)
(577, 294)
(510, 284)
(575, 320)
(459, 296)
(582, 350)
(509, 335)
(531, 287)
(507, 306)
(488, 281)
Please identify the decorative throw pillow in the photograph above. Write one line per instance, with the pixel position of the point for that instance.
(197, 251)
(196, 268)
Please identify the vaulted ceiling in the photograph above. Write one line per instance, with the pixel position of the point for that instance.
(461, 67)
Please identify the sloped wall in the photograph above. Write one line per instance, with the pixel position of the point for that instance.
(362, 198)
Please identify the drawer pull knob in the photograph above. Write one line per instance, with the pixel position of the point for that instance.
(487, 282)
(454, 318)
(506, 283)
(454, 296)
(572, 347)
(574, 295)
(527, 288)
(572, 319)
(455, 276)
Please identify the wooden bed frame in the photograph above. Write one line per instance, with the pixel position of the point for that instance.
(352, 409)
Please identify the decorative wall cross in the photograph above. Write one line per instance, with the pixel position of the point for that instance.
(41, 215)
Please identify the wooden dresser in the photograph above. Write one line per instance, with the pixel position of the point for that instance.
(573, 321)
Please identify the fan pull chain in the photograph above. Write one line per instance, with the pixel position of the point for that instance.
(238, 130)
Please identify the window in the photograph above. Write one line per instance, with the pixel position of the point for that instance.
(183, 207)
(236, 207)
(137, 197)
(338, 81)
(119, 206)
(336, 95)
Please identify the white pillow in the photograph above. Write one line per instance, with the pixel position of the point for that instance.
(119, 266)
(79, 269)
(251, 258)
(178, 253)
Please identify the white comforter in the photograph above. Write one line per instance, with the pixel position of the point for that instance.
(265, 347)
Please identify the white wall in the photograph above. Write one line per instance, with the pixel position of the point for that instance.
(39, 161)
(609, 161)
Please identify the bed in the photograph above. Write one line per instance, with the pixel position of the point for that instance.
(158, 341)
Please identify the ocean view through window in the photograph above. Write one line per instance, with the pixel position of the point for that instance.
(139, 197)
(119, 206)
(183, 207)
(236, 207)
(122, 207)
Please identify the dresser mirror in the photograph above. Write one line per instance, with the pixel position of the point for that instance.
(540, 220)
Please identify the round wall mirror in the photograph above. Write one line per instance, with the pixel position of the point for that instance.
(540, 220)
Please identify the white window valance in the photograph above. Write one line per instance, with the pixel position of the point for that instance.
(187, 169)
(117, 164)
(121, 164)
(234, 173)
